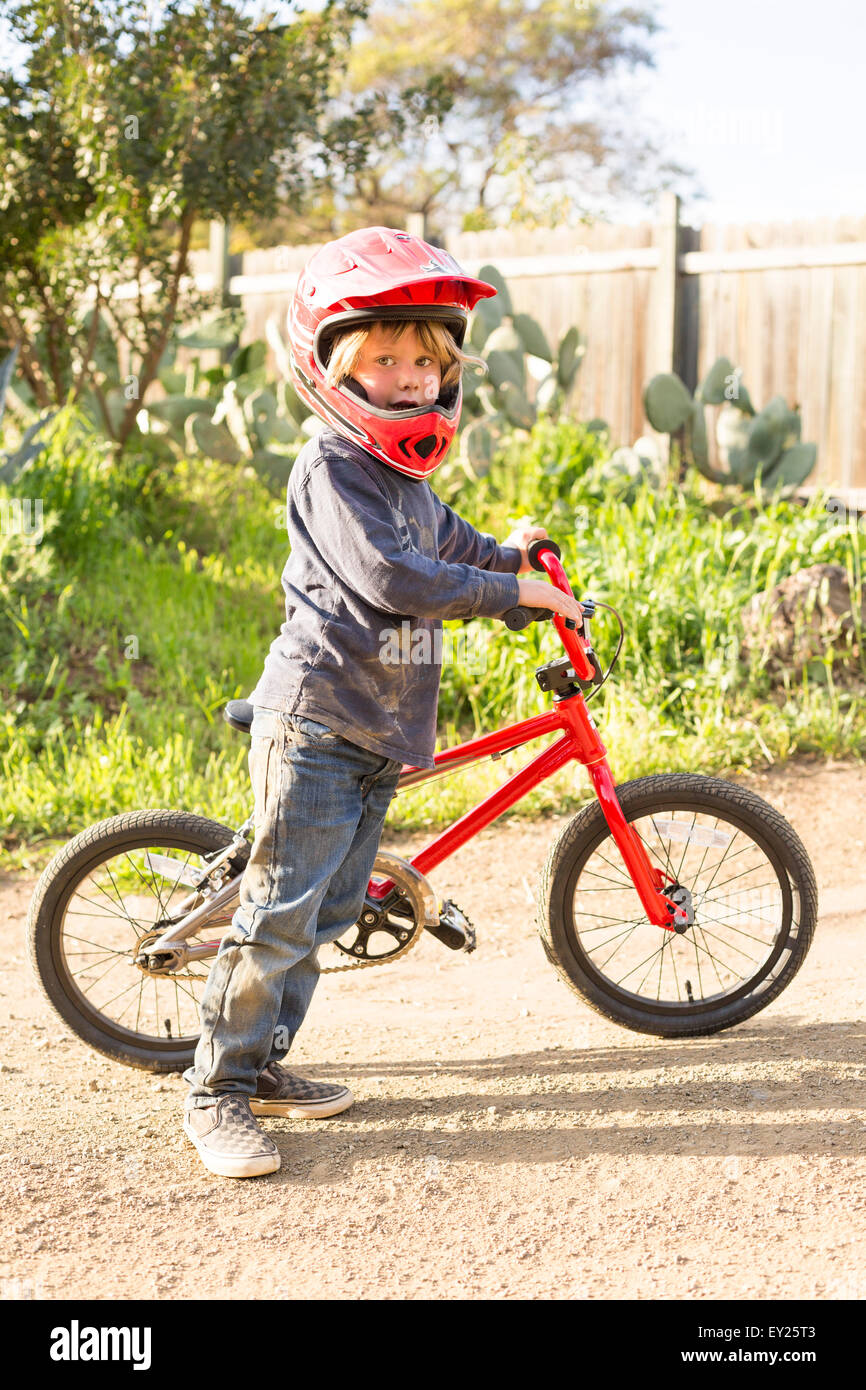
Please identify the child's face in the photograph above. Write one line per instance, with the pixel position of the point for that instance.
(397, 374)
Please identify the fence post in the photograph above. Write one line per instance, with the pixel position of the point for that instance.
(219, 259)
(664, 356)
(416, 224)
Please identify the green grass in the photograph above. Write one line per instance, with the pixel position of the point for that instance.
(154, 595)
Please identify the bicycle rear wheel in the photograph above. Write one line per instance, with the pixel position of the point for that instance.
(116, 884)
(753, 893)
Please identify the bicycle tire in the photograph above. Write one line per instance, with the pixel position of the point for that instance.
(71, 866)
(653, 795)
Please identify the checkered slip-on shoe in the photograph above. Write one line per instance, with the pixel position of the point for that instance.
(279, 1092)
(229, 1141)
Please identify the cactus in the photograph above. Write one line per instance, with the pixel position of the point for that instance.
(214, 441)
(231, 412)
(667, 403)
(514, 347)
(762, 447)
(628, 468)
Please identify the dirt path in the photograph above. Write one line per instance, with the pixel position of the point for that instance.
(506, 1141)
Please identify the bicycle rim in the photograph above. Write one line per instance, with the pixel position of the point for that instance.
(746, 910)
(105, 916)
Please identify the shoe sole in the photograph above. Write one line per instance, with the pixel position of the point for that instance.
(302, 1110)
(253, 1166)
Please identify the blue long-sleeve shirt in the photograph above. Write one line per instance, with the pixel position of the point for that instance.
(373, 550)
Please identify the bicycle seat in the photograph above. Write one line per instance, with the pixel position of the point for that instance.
(239, 713)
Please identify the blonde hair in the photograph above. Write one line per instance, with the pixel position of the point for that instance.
(436, 340)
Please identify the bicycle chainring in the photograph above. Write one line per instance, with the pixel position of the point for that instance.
(385, 930)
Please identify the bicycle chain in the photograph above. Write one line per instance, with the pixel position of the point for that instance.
(404, 950)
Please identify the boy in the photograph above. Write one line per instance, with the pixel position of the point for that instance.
(376, 332)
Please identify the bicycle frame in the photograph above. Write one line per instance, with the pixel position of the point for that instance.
(579, 742)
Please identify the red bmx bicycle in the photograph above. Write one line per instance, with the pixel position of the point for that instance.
(675, 904)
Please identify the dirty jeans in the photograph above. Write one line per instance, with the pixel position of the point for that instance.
(320, 804)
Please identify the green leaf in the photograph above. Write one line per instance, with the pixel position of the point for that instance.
(491, 275)
(172, 382)
(568, 358)
(489, 313)
(517, 407)
(479, 331)
(667, 403)
(720, 378)
(792, 468)
(292, 403)
(214, 441)
(503, 368)
(532, 337)
(274, 467)
(260, 412)
(698, 442)
(175, 409)
(218, 332)
(767, 433)
(249, 359)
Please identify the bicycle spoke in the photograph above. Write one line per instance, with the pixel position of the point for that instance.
(751, 845)
(661, 965)
(626, 927)
(141, 985)
(134, 985)
(705, 932)
(97, 907)
(85, 968)
(725, 922)
(85, 942)
(673, 956)
(623, 880)
(668, 864)
(640, 963)
(123, 913)
(627, 932)
(685, 848)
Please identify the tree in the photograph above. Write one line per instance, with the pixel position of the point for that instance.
(513, 129)
(123, 125)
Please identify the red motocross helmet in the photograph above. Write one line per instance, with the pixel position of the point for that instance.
(380, 273)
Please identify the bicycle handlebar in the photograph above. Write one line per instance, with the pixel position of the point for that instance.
(545, 555)
(532, 552)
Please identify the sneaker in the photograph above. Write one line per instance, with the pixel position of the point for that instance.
(229, 1141)
(279, 1092)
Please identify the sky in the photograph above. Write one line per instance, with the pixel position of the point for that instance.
(766, 100)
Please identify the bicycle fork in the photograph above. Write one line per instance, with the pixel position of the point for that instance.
(662, 910)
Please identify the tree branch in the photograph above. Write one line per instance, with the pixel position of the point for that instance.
(30, 368)
(89, 348)
(151, 359)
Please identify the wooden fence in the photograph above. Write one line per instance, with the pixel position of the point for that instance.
(785, 301)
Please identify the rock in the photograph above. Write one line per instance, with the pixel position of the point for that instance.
(795, 622)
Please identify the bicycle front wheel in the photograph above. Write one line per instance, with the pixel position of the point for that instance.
(753, 896)
(113, 888)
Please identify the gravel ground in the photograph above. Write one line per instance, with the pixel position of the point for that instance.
(506, 1141)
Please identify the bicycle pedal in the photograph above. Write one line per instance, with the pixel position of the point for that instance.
(454, 928)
